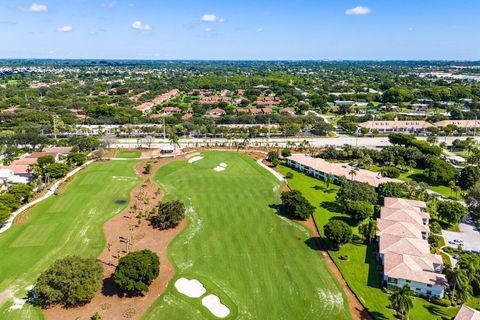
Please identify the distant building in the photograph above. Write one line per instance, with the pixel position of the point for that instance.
(147, 106)
(467, 313)
(386, 126)
(289, 111)
(214, 100)
(268, 101)
(216, 113)
(465, 124)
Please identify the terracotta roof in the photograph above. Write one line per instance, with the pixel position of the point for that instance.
(395, 124)
(403, 203)
(17, 168)
(341, 169)
(467, 313)
(398, 228)
(459, 123)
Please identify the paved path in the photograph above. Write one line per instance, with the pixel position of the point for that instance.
(49, 193)
(275, 173)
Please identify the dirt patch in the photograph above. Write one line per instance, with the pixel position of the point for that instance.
(357, 310)
(132, 224)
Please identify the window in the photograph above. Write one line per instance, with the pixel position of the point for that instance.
(408, 281)
(429, 285)
(418, 289)
(429, 292)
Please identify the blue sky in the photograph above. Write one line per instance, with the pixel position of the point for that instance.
(241, 29)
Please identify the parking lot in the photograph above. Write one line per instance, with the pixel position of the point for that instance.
(468, 234)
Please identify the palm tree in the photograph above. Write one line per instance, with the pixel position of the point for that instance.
(401, 300)
(459, 279)
(328, 180)
(174, 141)
(353, 173)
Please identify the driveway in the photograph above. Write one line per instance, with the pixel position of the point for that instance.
(468, 233)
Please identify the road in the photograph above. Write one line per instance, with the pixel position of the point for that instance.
(367, 142)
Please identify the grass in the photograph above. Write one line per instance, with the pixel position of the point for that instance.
(128, 154)
(262, 265)
(67, 224)
(360, 270)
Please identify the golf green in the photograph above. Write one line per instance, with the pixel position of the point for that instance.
(70, 223)
(261, 265)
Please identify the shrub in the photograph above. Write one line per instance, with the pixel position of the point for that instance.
(338, 232)
(435, 227)
(286, 153)
(70, 281)
(390, 172)
(295, 205)
(147, 169)
(289, 175)
(272, 155)
(435, 240)
(76, 158)
(169, 215)
(136, 271)
(441, 302)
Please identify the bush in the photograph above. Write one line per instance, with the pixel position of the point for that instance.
(441, 302)
(338, 232)
(435, 227)
(295, 205)
(70, 281)
(435, 240)
(286, 153)
(272, 156)
(169, 215)
(390, 172)
(289, 175)
(136, 271)
(147, 169)
(5, 213)
(76, 158)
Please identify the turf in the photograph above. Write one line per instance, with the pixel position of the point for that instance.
(128, 154)
(360, 270)
(262, 266)
(70, 223)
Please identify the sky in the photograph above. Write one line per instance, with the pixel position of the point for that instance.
(241, 29)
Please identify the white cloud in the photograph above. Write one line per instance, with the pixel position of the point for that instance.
(64, 29)
(359, 10)
(208, 29)
(260, 30)
(109, 5)
(35, 7)
(138, 25)
(208, 17)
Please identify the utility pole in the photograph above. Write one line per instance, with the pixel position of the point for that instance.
(164, 132)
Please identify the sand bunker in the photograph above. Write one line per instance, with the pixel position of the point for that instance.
(221, 167)
(197, 158)
(191, 288)
(216, 307)
(17, 304)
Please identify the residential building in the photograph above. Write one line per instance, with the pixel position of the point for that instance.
(289, 111)
(465, 124)
(147, 106)
(214, 100)
(215, 113)
(402, 235)
(467, 313)
(319, 168)
(268, 101)
(390, 126)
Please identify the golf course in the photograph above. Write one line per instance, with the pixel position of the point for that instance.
(65, 224)
(260, 264)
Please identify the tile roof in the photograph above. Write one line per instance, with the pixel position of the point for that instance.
(467, 313)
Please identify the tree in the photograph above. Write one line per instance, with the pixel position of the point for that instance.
(458, 278)
(359, 210)
(56, 170)
(272, 156)
(368, 229)
(352, 174)
(10, 201)
(338, 232)
(70, 281)
(44, 161)
(473, 201)
(401, 300)
(296, 205)
(390, 189)
(22, 192)
(468, 177)
(76, 159)
(148, 168)
(390, 172)
(85, 143)
(439, 171)
(136, 271)
(169, 215)
(356, 191)
(451, 212)
(5, 213)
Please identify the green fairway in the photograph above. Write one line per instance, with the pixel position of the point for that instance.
(261, 265)
(360, 270)
(128, 154)
(70, 223)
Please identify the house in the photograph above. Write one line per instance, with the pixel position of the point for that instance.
(402, 235)
(268, 101)
(465, 124)
(15, 173)
(214, 100)
(215, 113)
(170, 110)
(289, 111)
(467, 313)
(390, 126)
(256, 111)
(242, 110)
(147, 106)
(319, 168)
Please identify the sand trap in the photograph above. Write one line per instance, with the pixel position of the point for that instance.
(216, 307)
(218, 169)
(17, 304)
(191, 288)
(223, 165)
(197, 158)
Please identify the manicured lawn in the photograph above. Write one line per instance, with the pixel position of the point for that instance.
(70, 223)
(262, 265)
(128, 154)
(360, 270)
